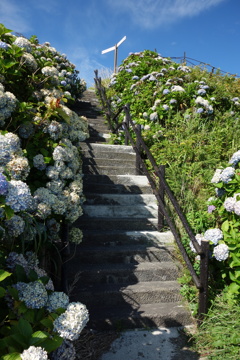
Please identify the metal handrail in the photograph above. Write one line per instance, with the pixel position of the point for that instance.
(202, 250)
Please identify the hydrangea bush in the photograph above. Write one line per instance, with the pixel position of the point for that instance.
(225, 208)
(40, 190)
(40, 163)
(36, 321)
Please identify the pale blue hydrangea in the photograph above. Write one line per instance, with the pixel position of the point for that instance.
(38, 162)
(221, 252)
(63, 153)
(166, 91)
(15, 226)
(19, 197)
(235, 158)
(201, 92)
(70, 324)
(34, 294)
(75, 235)
(173, 101)
(57, 300)
(229, 204)
(9, 144)
(213, 235)
(63, 83)
(227, 174)
(3, 45)
(14, 259)
(200, 110)
(152, 78)
(165, 107)
(34, 353)
(52, 173)
(135, 77)
(3, 184)
(55, 130)
(66, 351)
(145, 77)
(26, 130)
(236, 208)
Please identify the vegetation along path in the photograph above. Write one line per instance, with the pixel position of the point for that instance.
(124, 270)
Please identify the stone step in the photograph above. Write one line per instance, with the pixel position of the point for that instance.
(134, 295)
(120, 199)
(126, 254)
(109, 170)
(119, 211)
(123, 273)
(108, 148)
(118, 238)
(106, 224)
(112, 163)
(169, 314)
(89, 153)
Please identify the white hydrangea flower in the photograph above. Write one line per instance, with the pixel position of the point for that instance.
(213, 235)
(18, 168)
(23, 43)
(29, 61)
(229, 204)
(50, 71)
(221, 252)
(236, 208)
(177, 88)
(34, 353)
(70, 324)
(153, 116)
(199, 238)
(57, 300)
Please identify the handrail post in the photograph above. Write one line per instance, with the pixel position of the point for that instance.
(127, 122)
(203, 291)
(161, 194)
(138, 157)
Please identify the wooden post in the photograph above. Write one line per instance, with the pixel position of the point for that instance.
(138, 158)
(203, 291)
(161, 194)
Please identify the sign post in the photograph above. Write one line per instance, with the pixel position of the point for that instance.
(115, 48)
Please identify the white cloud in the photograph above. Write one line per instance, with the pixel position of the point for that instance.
(155, 13)
(12, 16)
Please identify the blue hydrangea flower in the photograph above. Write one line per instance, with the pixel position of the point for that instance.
(63, 82)
(65, 352)
(227, 174)
(235, 158)
(166, 91)
(34, 294)
(201, 92)
(3, 45)
(57, 300)
(3, 185)
(200, 110)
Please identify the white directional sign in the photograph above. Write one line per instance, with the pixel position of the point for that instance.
(115, 47)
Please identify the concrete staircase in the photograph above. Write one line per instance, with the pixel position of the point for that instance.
(124, 269)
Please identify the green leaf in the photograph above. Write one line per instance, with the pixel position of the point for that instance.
(4, 274)
(52, 344)
(24, 328)
(9, 212)
(2, 292)
(13, 356)
(47, 322)
(38, 337)
(225, 226)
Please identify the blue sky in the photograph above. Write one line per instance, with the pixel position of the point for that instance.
(206, 30)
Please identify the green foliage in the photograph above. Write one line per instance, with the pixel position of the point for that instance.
(218, 335)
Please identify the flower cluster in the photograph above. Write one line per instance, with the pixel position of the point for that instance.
(8, 104)
(34, 294)
(34, 353)
(70, 324)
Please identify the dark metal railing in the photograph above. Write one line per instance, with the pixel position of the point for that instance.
(161, 189)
